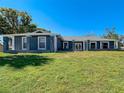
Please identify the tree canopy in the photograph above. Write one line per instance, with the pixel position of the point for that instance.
(13, 21)
(111, 34)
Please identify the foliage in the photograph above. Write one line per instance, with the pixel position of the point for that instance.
(111, 34)
(67, 72)
(13, 21)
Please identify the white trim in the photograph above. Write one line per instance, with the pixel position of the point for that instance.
(29, 34)
(116, 44)
(55, 43)
(67, 45)
(83, 45)
(44, 41)
(23, 43)
(95, 44)
(101, 45)
(38, 31)
(108, 45)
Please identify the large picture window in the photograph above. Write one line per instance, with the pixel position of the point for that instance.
(42, 43)
(24, 43)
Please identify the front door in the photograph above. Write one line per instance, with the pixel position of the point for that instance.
(78, 46)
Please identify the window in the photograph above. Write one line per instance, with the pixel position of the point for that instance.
(42, 43)
(65, 45)
(24, 43)
(93, 45)
(105, 45)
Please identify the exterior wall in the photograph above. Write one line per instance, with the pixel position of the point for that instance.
(98, 44)
(77, 42)
(49, 43)
(33, 44)
(5, 44)
(70, 46)
(59, 44)
(86, 45)
(18, 43)
(111, 44)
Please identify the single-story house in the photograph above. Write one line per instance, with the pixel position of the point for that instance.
(43, 41)
(1, 47)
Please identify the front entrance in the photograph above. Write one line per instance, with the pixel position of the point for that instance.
(78, 46)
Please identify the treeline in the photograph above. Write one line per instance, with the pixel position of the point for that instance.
(13, 21)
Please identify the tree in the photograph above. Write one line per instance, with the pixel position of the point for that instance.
(111, 34)
(13, 21)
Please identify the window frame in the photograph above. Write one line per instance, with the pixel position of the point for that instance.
(44, 42)
(107, 44)
(95, 42)
(23, 43)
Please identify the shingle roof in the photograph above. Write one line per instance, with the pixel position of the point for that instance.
(83, 38)
(38, 32)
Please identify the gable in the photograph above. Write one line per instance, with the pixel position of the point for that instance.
(41, 31)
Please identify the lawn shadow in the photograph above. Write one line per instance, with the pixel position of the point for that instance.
(21, 61)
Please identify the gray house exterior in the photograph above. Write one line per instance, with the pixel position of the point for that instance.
(40, 41)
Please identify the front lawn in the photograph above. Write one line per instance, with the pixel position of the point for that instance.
(69, 72)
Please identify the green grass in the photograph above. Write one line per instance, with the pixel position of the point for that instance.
(74, 72)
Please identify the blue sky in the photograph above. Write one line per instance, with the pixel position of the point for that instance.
(73, 17)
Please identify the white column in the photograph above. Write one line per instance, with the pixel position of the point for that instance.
(55, 43)
(108, 45)
(13, 43)
(83, 45)
(87, 45)
(116, 44)
(90, 45)
(100, 45)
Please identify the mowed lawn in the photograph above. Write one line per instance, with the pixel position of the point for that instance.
(69, 72)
